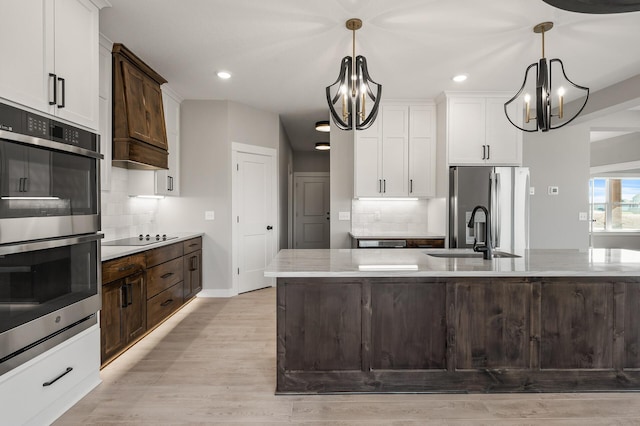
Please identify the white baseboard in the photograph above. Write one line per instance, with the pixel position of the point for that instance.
(223, 292)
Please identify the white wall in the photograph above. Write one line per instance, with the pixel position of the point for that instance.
(207, 130)
(285, 172)
(341, 185)
(558, 158)
(617, 150)
(311, 161)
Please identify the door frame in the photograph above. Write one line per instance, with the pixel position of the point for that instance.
(293, 201)
(236, 148)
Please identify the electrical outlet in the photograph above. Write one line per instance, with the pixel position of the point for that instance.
(209, 215)
(344, 215)
(582, 216)
(552, 190)
(532, 190)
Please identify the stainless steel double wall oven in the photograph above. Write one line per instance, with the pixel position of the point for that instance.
(49, 241)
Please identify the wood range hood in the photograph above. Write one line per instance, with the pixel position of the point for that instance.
(139, 132)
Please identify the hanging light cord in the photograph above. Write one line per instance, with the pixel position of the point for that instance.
(543, 42)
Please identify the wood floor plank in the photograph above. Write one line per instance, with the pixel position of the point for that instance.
(214, 361)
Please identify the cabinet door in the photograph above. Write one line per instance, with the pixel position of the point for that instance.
(466, 130)
(395, 147)
(167, 181)
(134, 98)
(422, 151)
(76, 61)
(112, 337)
(26, 37)
(136, 311)
(154, 113)
(192, 274)
(503, 139)
(367, 181)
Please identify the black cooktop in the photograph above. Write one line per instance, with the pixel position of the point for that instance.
(140, 240)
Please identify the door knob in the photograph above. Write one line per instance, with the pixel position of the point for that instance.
(269, 227)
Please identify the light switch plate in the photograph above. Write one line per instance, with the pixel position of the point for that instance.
(344, 215)
(209, 215)
(532, 190)
(582, 216)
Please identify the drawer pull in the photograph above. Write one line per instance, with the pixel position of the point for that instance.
(167, 275)
(193, 245)
(49, 383)
(167, 302)
(126, 268)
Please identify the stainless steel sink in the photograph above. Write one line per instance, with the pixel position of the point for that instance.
(454, 255)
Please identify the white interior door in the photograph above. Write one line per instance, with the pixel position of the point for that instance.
(311, 212)
(255, 219)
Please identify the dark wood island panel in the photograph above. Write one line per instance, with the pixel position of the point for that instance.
(468, 334)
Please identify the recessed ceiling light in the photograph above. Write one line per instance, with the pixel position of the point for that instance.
(323, 126)
(323, 146)
(460, 78)
(223, 75)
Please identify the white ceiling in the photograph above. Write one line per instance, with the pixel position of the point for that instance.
(283, 53)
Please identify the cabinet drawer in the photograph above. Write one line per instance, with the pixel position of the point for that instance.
(119, 268)
(426, 243)
(163, 276)
(163, 254)
(23, 393)
(164, 304)
(192, 245)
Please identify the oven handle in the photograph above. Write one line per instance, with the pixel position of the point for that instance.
(45, 143)
(48, 244)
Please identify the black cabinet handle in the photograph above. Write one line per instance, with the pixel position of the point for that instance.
(484, 152)
(193, 244)
(129, 294)
(55, 89)
(379, 185)
(410, 186)
(168, 183)
(50, 382)
(125, 297)
(26, 184)
(384, 186)
(167, 275)
(488, 152)
(64, 90)
(166, 302)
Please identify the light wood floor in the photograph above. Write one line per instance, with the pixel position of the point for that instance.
(214, 363)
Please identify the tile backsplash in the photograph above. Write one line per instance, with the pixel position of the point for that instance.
(390, 217)
(124, 216)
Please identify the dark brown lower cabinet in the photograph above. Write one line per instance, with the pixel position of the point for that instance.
(192, 264)
(142, 290)
(123, 317)
(441, 334)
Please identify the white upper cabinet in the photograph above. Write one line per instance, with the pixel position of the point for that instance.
(55, 47)
(395, 157)
(478, 132)
(168, 181)
(422, 151)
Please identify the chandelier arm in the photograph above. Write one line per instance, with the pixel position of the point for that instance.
(345, 69)
(542, 96)
(577, 86)
(517, 95)
(361, 64)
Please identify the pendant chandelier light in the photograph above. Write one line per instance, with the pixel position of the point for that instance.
(549, 111)
(354, 90)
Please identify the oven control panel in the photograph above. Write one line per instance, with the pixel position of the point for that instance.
(36, 126)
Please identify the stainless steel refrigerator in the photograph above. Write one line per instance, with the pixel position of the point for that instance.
(504, 191)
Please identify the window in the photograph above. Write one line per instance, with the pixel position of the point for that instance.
(615, 204)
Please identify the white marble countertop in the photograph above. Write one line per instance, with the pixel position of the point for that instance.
(113, 252)
(417, 263)
(395, 235)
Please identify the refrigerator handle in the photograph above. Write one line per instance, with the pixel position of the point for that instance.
(495, 210)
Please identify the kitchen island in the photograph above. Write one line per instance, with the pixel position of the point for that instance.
(410, 320)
